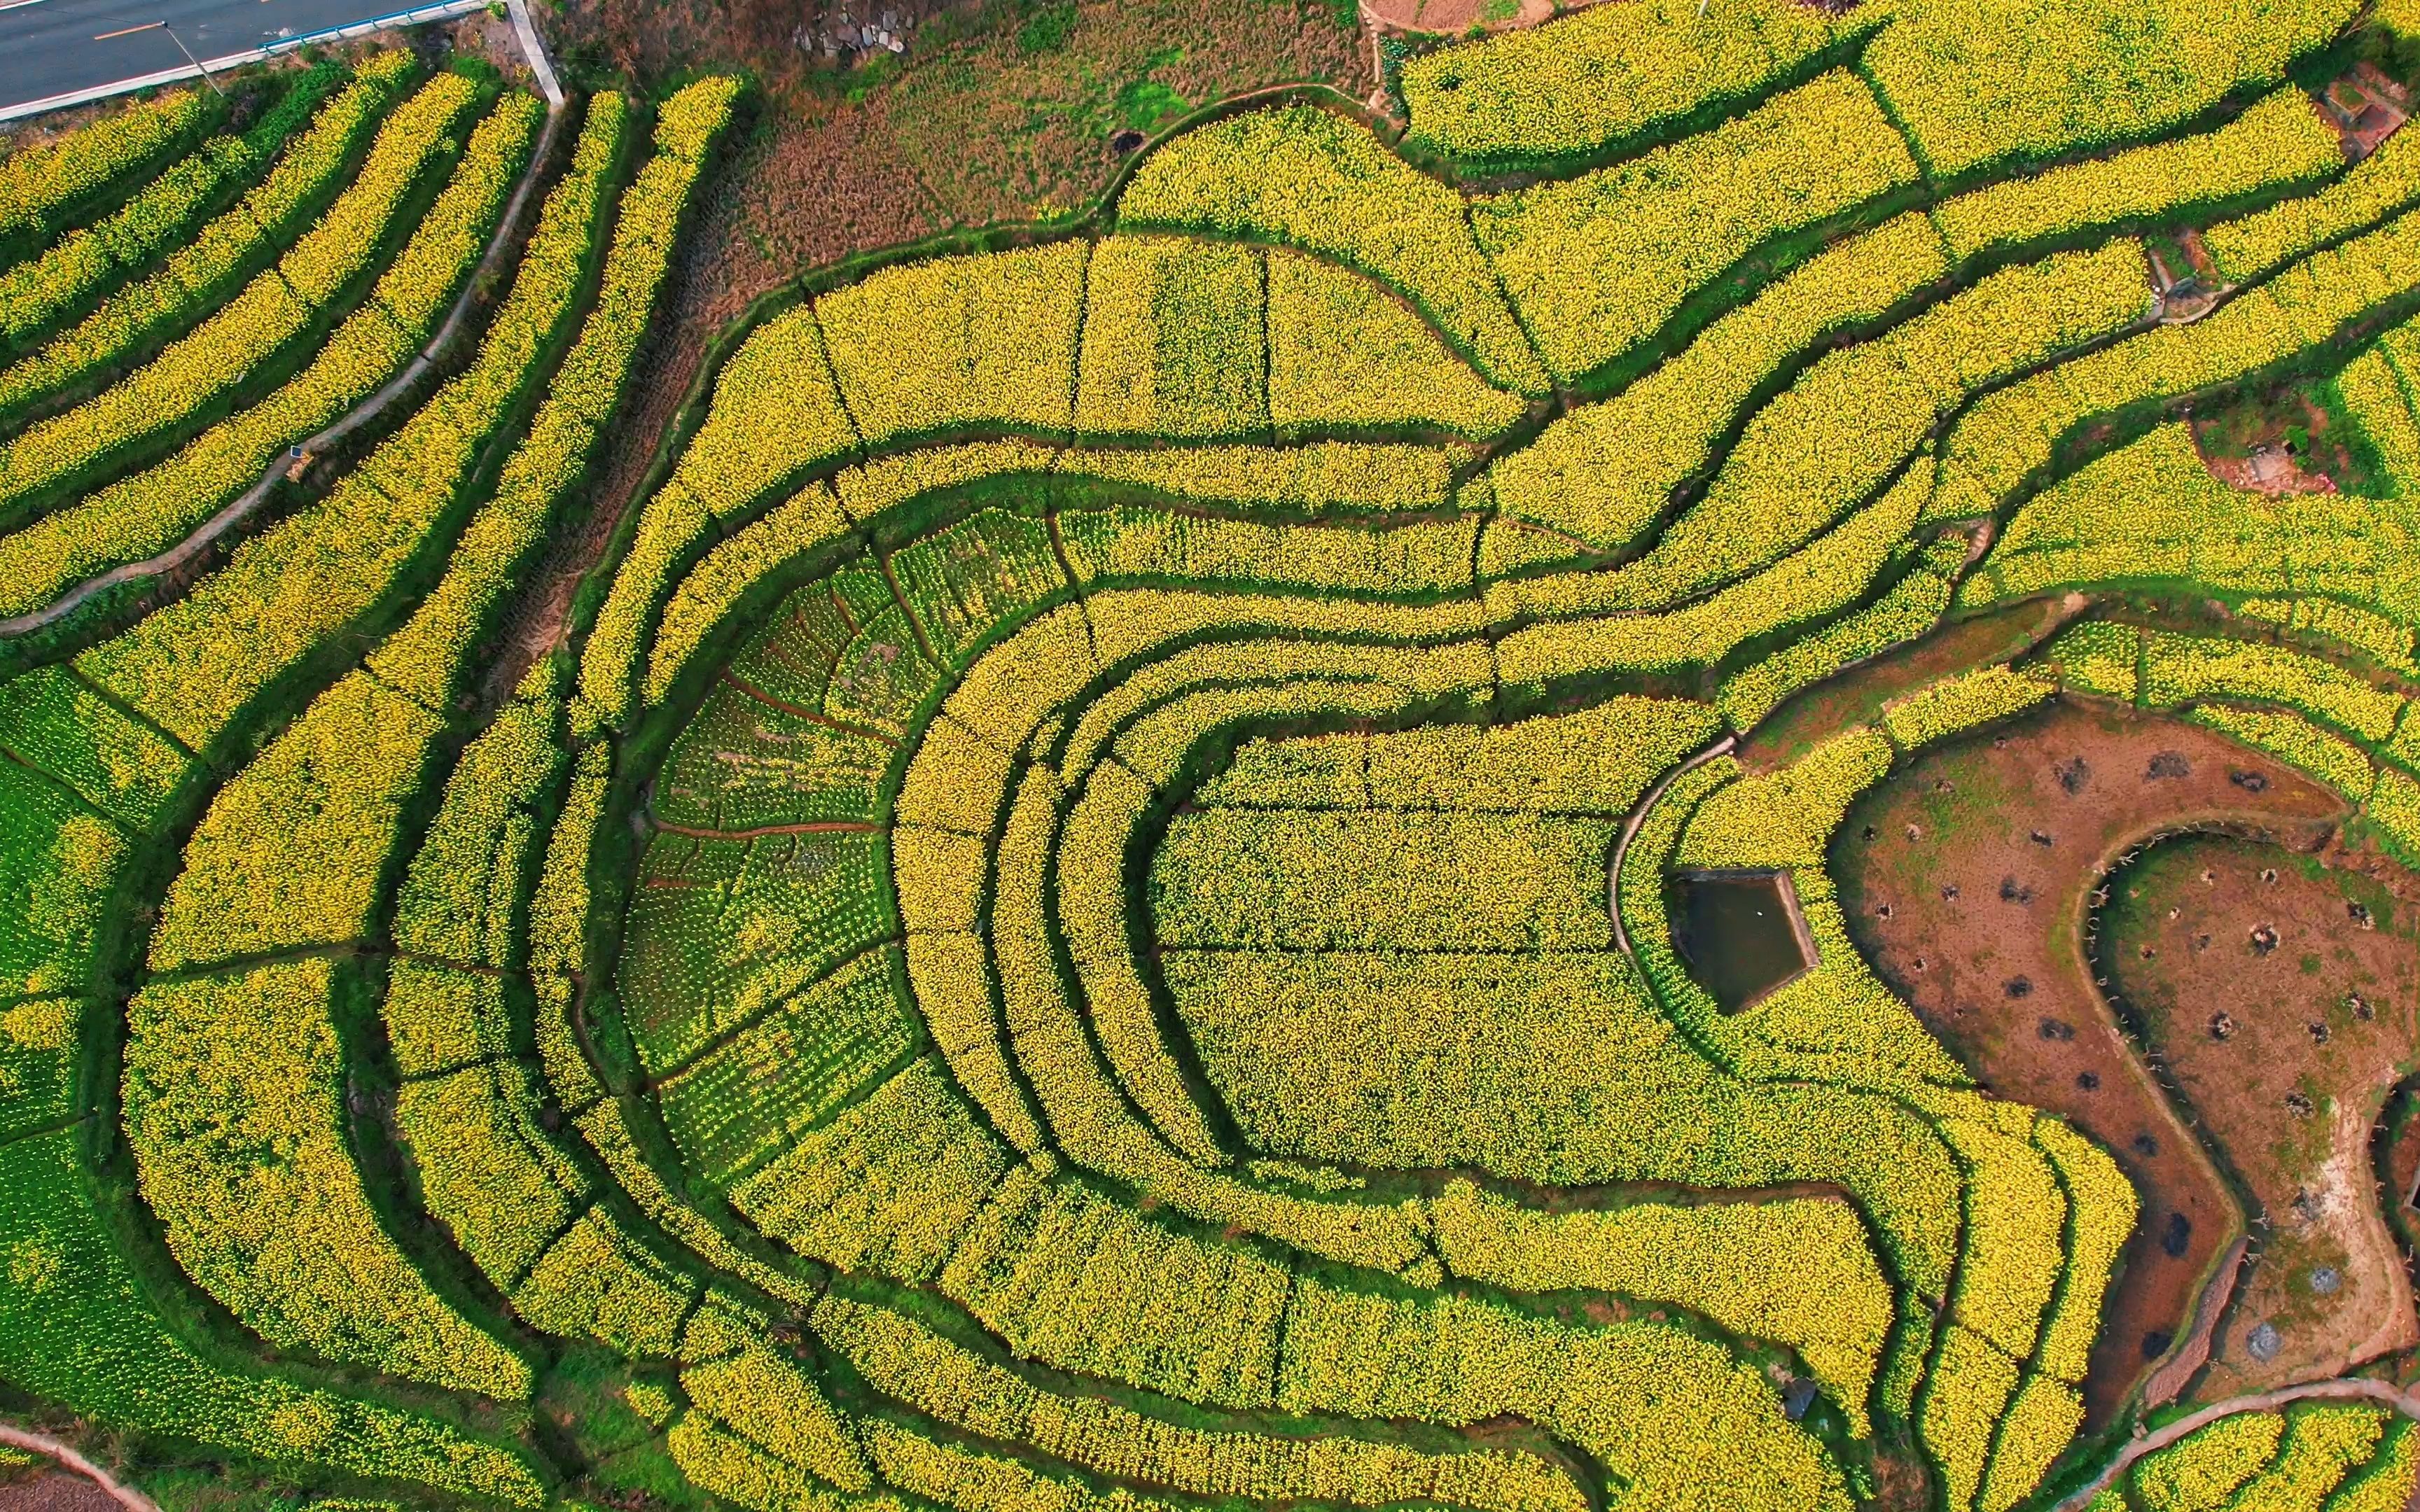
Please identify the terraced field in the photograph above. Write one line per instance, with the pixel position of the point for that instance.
(1080, 914)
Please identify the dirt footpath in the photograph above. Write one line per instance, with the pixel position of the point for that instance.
(2281, 995)
(1966, 878)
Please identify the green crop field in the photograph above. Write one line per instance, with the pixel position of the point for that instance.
(1087, 909)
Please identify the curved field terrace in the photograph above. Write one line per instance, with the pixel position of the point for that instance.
(1673, 772)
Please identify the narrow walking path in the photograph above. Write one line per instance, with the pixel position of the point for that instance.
(42, 1444)
(2407, 1403)
(241, 507)
(1630, 831)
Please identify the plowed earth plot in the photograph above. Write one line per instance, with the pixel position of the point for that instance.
(1080, 917)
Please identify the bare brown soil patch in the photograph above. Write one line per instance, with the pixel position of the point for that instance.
(57, 1492)
(1462, 17)
(2280, 996)
(2274, 444)
(2366, 107)
(1967, 877)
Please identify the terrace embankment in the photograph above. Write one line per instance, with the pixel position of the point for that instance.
(1966, 878)
(2280, 993)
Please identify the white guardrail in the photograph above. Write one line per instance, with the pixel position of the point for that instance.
(413, 16)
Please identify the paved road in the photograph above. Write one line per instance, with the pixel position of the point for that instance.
(53, 47)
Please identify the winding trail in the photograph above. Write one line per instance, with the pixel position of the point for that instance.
(238, 510)
(2407, 1403)
(1630, 832)
(42, 1444)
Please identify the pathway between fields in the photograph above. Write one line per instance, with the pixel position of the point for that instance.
(42, 1444)
(1630, 831)
(2407, 1403)
(241, 508)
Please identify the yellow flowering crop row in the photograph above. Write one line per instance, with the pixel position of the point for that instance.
(195, 666)
(36, 296)
(276, 307)
(150, 511)
(488, 1170)
(2279, 142)
(2205, 1468)
(1344, 355)
(1296, 880)
(2011, 1256)
(1322, 478)
(1960, 704)
(1859, 415)
(194, 280)
(2385, 183)
(2324, 1442)
(463, 898)
(2151, 514)
(1965, 1395)
(428, 657)
(911, 1364)
(1977, 86)
(1913, 605)
(1604, 472)
(1819, 579)
(1174, 341)
(2009, 435)
(1675, 1417)
(888, 1186)
(2296, 741)
(1797, 1272)
(2371, 389)
(1309, 178)
(293, 1248)
(68, 1281)
(775, 412)
(691, 121)
(1597, 265)
(960, 343)
(770, 1400)
(1596, 82)
(2180, 669)
(2038, 1425)
(41, 186)
(1596, 761)
(2388, 1480)
(292, 848)
(956, 1477)
(1084, 1284)
(2100, 1211)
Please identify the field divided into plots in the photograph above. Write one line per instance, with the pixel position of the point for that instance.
(1079, 914)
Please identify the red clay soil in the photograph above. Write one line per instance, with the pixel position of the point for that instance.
(2280, 994)
(1966, 876)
